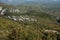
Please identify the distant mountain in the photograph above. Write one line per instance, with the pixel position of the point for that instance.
(46, 3)
(29, 1)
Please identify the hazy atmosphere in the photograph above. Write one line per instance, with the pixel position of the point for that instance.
(25, 1)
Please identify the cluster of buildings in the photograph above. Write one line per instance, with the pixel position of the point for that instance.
(14, 10)
(11, 10)
(2, 10)
(16, 18)
(22, 18)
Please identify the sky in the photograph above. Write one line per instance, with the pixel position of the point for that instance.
(31, 0)
(26, 0)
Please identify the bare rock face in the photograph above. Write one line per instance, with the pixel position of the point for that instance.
(51, 31)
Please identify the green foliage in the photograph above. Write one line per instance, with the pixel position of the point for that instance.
(11, 30)
(15, 31)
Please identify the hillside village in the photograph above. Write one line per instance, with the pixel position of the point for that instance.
(17, 18)
(12, 10)
(5, 11)
(48, 28)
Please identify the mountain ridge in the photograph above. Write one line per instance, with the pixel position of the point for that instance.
(16, 2)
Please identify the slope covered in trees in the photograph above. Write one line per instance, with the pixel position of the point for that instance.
(15, 30)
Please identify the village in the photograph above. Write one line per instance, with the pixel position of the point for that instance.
(17, 18)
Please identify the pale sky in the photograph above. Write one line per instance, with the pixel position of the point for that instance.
(10, 0)
(29, 0)
(21, 0)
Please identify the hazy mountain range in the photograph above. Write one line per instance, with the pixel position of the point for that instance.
(30, 1)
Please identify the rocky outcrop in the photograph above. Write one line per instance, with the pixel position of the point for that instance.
(50, 35)
(58, 19)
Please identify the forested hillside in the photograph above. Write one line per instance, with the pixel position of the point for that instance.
(27, 23)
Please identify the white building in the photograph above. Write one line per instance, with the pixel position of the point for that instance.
(14, 10)
(20, 19)
(9, 17)
(32, 20)
(2, 13)
(13, 17)
(17, 10)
